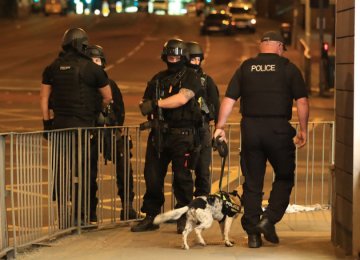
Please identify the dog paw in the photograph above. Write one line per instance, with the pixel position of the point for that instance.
(202, 243)
(229, 243)
(185, 247)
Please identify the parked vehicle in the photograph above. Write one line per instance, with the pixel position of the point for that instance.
(160, 5)
(244, 15)
(217, 22)
(55, 7)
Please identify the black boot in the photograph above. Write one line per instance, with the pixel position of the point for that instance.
(266, 227)
(180, 224)
(93, 216)
(145, 225)
(254, 240)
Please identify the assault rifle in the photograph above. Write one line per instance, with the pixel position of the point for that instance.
(157, 123)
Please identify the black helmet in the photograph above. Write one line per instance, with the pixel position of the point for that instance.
(76, 38)
(195, 50)
(96, 51)
(174, 47)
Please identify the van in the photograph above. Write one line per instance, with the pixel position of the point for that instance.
(243, 14)
(55, 7)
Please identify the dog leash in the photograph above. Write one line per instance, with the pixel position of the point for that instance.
(222, 148)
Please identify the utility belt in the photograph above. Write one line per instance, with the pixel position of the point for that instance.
(181, 131)
(267, 117)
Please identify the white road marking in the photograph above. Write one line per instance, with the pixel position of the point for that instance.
(128, 55)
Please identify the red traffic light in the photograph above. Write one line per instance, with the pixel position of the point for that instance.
(325, 46)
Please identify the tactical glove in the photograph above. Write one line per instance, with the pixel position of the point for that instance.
(147, 106)
(48, 125)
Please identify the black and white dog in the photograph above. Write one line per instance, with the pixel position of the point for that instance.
(222, 206)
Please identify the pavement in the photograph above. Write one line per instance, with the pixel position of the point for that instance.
(303, 235)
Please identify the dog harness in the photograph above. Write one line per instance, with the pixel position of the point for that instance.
(230, 208)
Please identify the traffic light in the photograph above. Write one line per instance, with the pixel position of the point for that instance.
(325, 50)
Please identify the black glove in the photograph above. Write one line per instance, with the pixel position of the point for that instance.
(220, 146)
(147, 106)
(48, 125)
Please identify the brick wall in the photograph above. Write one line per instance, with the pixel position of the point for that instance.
(342, 220)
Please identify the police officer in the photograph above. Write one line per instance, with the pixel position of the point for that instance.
(124, 169)
(176, 105)
(209, 103)
(77, 86)
(266, 86)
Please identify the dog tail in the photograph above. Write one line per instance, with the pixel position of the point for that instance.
(172, 214)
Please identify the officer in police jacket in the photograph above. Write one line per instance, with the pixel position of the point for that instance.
(266, 85)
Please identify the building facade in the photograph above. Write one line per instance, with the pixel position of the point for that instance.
(346, 199)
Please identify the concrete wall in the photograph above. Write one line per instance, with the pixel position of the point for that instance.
(345, 220)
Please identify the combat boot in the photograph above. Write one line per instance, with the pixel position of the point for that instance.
(145, 225)
(266, 227)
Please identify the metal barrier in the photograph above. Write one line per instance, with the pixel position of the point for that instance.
(46, 184)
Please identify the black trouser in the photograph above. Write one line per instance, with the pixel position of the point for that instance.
(177, 148)
(202, 171)
(265, 139)
(124, 172)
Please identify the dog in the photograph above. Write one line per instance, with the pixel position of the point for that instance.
(221, 206)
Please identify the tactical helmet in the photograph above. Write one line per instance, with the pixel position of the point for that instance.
(76, 38)
(96, 51)
(174, 47)
(195, 50)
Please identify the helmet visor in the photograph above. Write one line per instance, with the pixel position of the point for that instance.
(174, 52)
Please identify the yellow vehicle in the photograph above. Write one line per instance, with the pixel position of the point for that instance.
(55, 7)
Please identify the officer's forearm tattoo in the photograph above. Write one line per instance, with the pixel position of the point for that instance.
(187, 93)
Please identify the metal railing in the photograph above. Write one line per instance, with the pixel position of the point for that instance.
(45, 184)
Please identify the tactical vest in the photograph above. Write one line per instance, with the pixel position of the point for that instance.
(188, 115)
(70, 95)
(264, 88)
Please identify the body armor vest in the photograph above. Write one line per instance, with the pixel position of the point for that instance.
(264, 88)
(70, 95)
(188, 115)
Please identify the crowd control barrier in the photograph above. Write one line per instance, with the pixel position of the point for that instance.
(47, 178)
